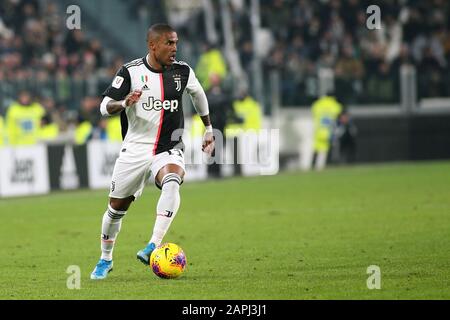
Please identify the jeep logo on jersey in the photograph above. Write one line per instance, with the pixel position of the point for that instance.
(157, 105)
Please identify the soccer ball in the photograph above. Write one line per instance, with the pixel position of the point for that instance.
(168, 261)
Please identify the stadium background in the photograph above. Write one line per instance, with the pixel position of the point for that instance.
(394, 82)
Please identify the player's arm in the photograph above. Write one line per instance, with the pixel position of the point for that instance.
(117, 96)
(112, 106)
(208, 139)
(200, 102)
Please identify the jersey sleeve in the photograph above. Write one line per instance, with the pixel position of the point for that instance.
(120, 86)
(198, 96)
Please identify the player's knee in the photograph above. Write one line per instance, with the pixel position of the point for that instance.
(171, 187)
(120, 204)
(171, 183)
(114, 214)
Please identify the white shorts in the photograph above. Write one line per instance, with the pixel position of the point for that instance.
(135, 165)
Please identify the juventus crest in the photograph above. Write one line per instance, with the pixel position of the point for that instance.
(177, 79)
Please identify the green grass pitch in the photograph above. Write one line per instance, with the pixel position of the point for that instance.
(291, 236)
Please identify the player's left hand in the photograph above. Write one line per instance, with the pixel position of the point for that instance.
(208, 143)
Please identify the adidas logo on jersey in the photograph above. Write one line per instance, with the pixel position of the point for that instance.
(145, 87)
(157, 105)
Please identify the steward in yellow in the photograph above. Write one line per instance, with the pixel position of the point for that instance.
(83, 131)
(325, 111)
(114, 129)
(49, 130)
(197, 127)
(210, 62)
(249, 110)
(23, 120)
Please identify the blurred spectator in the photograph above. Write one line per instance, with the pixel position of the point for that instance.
(211, 62)
(83, 130)
(345, 136)
(381, 85)
(220, 107)
(89, 109)
(220, 102)
(431, 75)
(95, 48)
(48, 130)
(99, 131)
(114, 129)
(325, 111)
(245, 121)
(108, 129)
(349, 72)
(247, 109)
(74, 41)
(404, 58)
(53, 111)
(23, 120)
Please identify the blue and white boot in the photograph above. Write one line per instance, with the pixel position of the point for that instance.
(102, 269)
(144, 254)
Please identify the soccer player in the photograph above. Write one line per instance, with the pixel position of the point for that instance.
(147, 93)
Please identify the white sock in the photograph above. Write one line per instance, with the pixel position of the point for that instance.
(167, 207)
(112, 221)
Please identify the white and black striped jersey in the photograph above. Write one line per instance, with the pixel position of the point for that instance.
(159, 111)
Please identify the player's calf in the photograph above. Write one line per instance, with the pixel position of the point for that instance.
(167, 208)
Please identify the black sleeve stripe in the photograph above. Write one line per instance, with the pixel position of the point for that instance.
(134, 62)
(181, 63)
(135, 65)
(121, 92)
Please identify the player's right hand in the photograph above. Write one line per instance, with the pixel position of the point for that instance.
(208, 143)
(133, 97)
